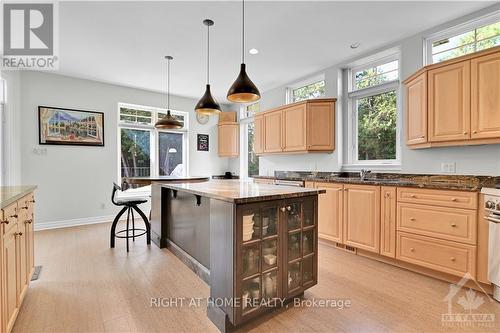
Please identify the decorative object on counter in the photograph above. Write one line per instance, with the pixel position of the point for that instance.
(202, 119)
(226, 175)
(203, 143)
(59, 126)
(207, 105)
(169, 121)
(243, 89)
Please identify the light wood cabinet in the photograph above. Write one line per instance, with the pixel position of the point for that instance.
(416, 106)
(455, 102)
(485, 97)
(229, 140)
(483, 231)
(388, 222)
(449, 102)
(17, 258)
(445, 198)
(303, 127)
(362, 217)
(273, 132)
(294, 128)
(258, 132)
(330, 207)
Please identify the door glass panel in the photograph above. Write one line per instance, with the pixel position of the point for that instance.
(170, 154)
(308, 269)
(270, 285)
(251, 225)
(307, 242)
(135, 152)
(251, 259)
(251, 292)
(294, 275)
(269, 253)
(294, 216)
(308, 213)
(269, 221)
(293, 246)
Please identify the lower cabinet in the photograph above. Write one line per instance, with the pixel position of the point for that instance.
(362, 217)
(388, 222)
(17, 259)
(276, 253)
(330, 215)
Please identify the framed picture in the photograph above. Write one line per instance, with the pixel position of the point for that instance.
(203, 142)
(58, 126)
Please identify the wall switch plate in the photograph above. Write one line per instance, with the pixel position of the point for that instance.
(449, 167)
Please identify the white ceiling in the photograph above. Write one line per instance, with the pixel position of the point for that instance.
(125, 42)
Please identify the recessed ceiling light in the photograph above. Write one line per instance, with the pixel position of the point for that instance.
(253, 51)
(355, 45)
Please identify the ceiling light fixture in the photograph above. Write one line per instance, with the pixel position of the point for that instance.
(207, 105)
(355, 45)
(253, 51)
(168, 122)
(243, 89)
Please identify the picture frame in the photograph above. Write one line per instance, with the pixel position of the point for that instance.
(70, 127)
(203, 142)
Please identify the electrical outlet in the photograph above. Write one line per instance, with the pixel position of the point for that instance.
(449, 167)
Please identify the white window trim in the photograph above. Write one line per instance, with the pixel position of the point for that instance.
(244, 143)
(154, 138)
(300, 84)
(457, 30)
(353, 164)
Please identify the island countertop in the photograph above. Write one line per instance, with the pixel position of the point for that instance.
(242, 191)
(9, 194)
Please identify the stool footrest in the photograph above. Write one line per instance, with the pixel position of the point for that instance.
(144, 231)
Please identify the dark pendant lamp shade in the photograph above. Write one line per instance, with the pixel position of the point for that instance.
(168, 122)
(243, 89)
(207, 105)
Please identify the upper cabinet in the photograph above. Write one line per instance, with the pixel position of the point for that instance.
(456, 102)
(228, 135)
(303, 127)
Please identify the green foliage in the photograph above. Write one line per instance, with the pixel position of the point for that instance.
(313, 90)
(134, 151)
(253, 159)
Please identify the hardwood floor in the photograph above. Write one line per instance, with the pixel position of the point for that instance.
(85, 286)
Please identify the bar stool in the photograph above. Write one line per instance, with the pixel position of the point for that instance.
(129, 205)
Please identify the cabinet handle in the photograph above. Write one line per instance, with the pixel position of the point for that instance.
(413, 195)
(28, 221)
(474, 132)
(18, 234)
(453, 225)
(465, 133)
(288, 208)
(25, 207)
(33, 201)
(452, 259)
(454, 199)
(14, 216)
(283, 209)
(346, 189)
(340, 189)
(422, 137)
(412, 219)
(412, 249)
(5, 222)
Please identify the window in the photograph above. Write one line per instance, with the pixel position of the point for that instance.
(146, 151)
(249, 161)
(373, 101)
(312, 88)
(469, 38)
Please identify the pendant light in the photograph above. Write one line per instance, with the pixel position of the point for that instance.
(207, 105)
(243, 89)
(168, 122)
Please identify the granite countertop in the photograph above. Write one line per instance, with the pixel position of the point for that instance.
(241, 191)
(443, 182)
(10, 194)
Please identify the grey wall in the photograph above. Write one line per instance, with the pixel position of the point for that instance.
(75, 182)
(483, 160)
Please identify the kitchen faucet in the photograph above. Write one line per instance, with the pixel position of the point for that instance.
(363, 173)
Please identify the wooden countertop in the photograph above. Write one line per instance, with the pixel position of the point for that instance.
(242, 191)
(10, 194)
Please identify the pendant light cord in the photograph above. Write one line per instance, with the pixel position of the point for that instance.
(168, 85)
(243, 34)
(208, 54)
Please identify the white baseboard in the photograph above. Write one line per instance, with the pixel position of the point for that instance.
(73, 222)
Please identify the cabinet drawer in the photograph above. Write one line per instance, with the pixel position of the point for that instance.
(441, 222)
(457, 199)
(10, 215)
(448, 257)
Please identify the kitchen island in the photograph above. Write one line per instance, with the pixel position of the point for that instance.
(254, 244)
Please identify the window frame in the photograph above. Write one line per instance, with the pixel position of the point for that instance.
(353, 162)
(154, 137)
(300, 84)
(457, 30)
